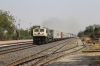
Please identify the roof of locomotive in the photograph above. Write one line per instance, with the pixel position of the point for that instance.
(41, 28)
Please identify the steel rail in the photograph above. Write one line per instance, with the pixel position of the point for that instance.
(41, 59)
(54, 59)
(15, 63)
(48, 55)
(16, 49)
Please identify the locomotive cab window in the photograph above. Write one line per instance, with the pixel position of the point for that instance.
(41, 30)
(36, 30)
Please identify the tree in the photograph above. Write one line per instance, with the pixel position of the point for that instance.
(7, 26)
(24, 34)
(89, 30)
(92, 31)
(80, 34)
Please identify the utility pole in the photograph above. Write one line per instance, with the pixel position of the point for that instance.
(30, 29)
(19, 28)
(30, 24)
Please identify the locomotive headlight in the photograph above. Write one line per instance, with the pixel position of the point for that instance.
(34, 33)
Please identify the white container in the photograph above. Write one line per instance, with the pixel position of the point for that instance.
(54, 34)
(68, 35)
(58, 34)
(64, 35)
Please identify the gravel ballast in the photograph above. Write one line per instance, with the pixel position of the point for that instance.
(10, 57)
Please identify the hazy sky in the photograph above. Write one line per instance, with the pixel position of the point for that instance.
(63, 15)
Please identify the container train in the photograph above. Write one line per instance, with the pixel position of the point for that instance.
(45, 35)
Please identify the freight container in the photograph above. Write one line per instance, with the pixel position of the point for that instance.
(61, 35)
(71, 35)
(58, 34)
(54, 35)
(64, 35)
(68, 35)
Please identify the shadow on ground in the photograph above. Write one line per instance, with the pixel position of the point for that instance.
(76, 61)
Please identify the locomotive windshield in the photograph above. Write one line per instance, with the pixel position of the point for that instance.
(36, 30)
(41, 30)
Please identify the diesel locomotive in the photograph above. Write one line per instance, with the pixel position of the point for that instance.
(45, 35)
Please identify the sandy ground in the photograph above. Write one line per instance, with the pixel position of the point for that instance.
(77, 59)
(83, 59)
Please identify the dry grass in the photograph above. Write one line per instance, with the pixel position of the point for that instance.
(94, 46)
(86, 39)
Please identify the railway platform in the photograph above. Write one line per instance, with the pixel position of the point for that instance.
(14, 41)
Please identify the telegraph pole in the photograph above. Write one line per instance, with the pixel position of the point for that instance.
(30, 29)
(30, 24)
(19, 28)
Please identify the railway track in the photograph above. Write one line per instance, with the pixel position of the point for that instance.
(38, 55)
(16, 48)
(53, 57)
(50, 51)
(49, 58)
(57, 56)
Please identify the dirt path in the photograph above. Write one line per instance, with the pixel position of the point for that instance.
(76, 60)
